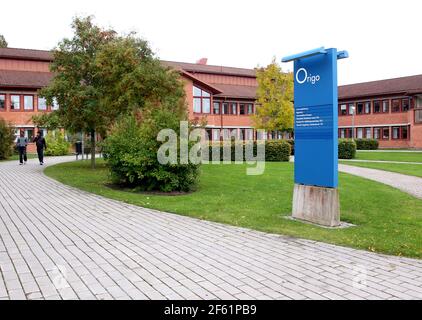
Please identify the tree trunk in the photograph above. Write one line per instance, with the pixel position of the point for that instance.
(92, 149)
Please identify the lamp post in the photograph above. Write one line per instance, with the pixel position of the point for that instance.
(353, 122)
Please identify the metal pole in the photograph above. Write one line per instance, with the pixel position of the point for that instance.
(353, 123)
(82, 140)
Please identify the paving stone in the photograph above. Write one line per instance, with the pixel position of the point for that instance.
(51, 248)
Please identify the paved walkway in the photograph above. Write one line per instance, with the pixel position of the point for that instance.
(409, 184)
(60, 243)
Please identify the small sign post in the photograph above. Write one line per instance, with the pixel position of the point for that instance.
(315, 197)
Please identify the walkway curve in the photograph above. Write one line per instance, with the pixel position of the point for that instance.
(406, 183)
(57, 242)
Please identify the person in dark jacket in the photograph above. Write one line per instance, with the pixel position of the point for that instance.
(21, 144)
(41, 146)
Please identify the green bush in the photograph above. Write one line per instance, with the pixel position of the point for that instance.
(275, 150)
(131, 154)
(56, 144)
(366, 144)
(7, 138)
(346, 149)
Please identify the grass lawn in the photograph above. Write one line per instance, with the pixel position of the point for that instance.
(387, 220)
(390, 156)
(409, 169)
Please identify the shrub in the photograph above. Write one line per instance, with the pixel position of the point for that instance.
(346, 149)
(366, 144)
(56, 144)
(7, 138)
(131, 153)
(275, 150)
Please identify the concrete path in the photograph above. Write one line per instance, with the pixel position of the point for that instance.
(57, 242)
(409, 184)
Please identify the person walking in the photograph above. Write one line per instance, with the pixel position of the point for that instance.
(21, 144)
(41, 146)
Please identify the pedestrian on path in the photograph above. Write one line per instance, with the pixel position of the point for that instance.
(21, 144)
(41, 146)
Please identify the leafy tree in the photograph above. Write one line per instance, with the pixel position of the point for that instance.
(100, 76)
(76, 84)
(7, 138)
(50, 121)
(274, 99)
(3, 42)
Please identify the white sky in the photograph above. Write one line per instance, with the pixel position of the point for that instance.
(383, 37)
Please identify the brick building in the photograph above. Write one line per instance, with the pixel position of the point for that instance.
(388, 110)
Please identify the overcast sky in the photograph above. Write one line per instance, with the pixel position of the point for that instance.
(383, 37)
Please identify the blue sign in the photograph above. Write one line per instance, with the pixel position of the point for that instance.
(316, 114)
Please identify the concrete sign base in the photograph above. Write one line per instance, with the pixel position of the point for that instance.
(317, 205)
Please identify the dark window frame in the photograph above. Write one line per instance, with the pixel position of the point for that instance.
(4, 102)
(201, 99)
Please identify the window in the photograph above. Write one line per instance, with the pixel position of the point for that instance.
(386, 133)
(42, 104)
(368, 133)
(418, 115)
(343, 109)
(216, 135)
(360, 133)
(351, 108)
(206, 105)
(242, 109)
(367, 107)
(225, 108)
(385, 106)
(342, 133)
(28, 102)
(377, 133)
(55, 105)
(359, 108)
(400, 133)
(197, 105)
(15, 103)
(208, 134)
(404, 133)
(377, 106)
(395, 105)
(201, 101)
(29, 134)
(233, 108)
(216, 108)
(2, 102)
(395, 133)
(242, 134)
(250, 108)
(249, 134)
(405, 105)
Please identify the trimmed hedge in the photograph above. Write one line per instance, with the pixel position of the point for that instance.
(366, 144)
(275, 150)
(346, 149)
